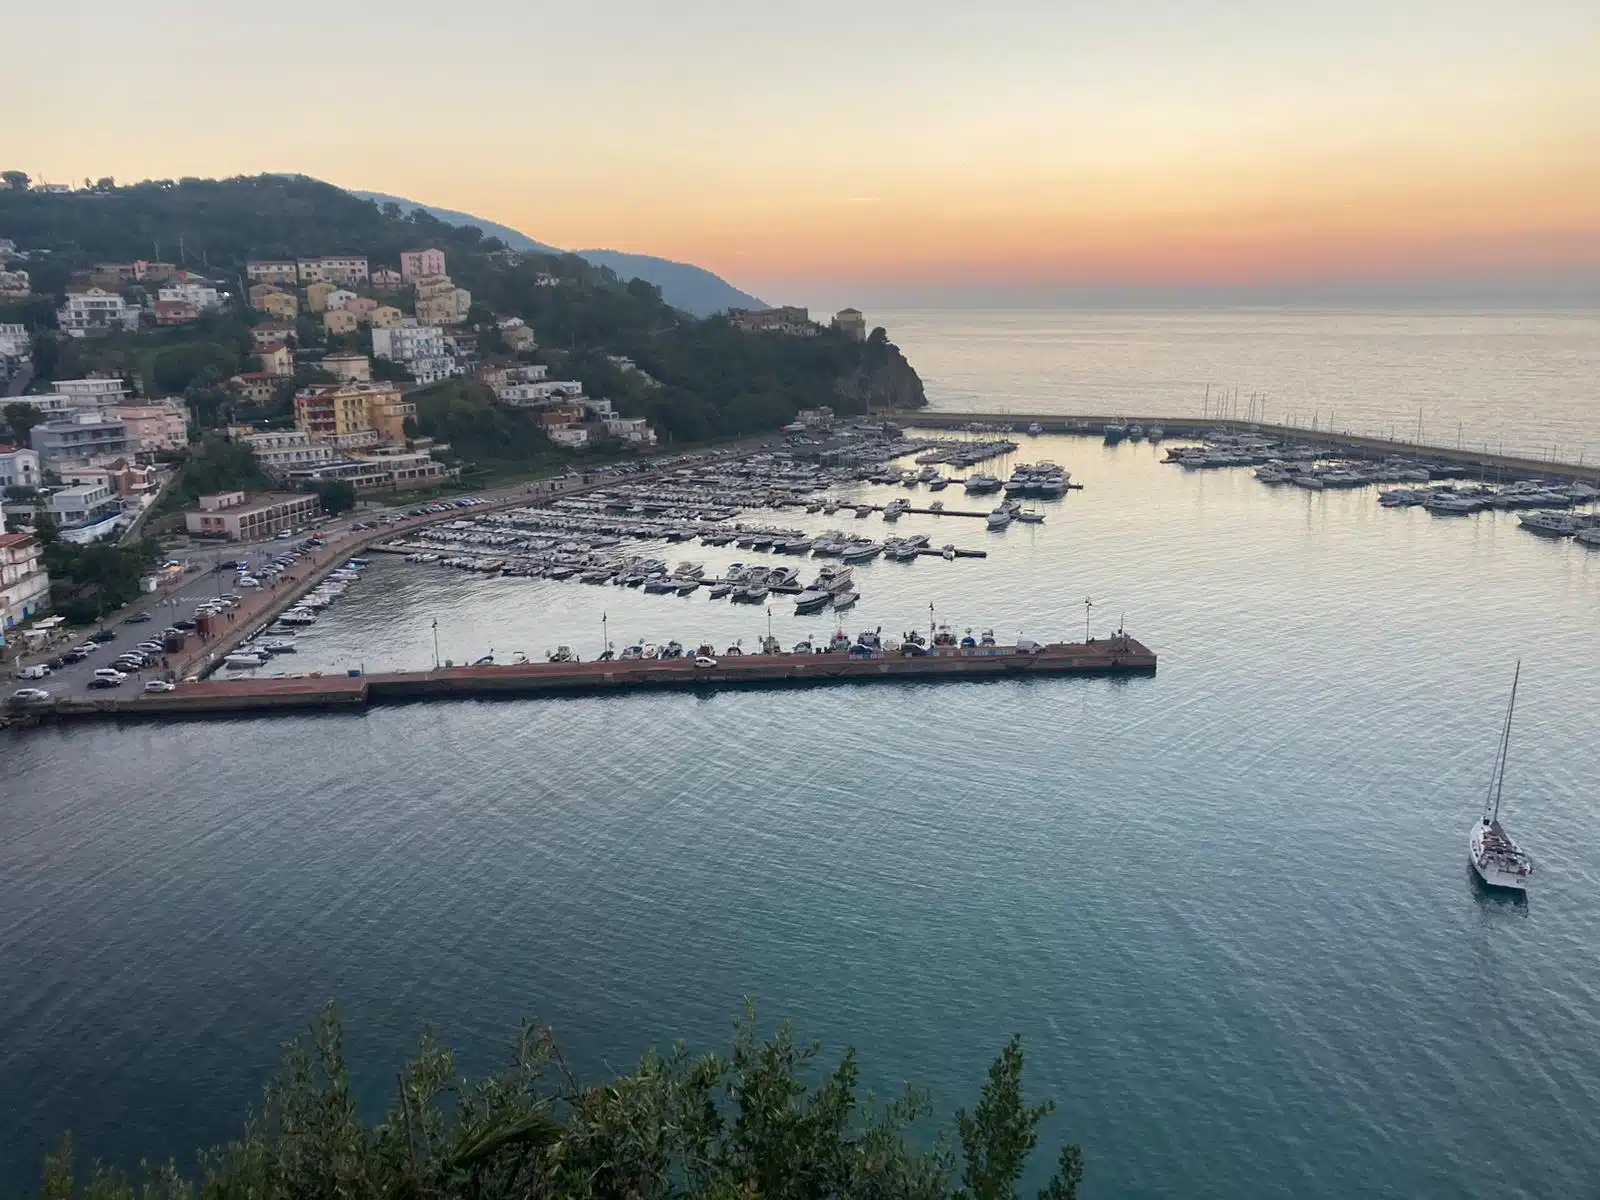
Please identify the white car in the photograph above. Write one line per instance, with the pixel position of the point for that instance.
(87, 648)
(159, 685)
(29, 696)
(109, 673)
(700, 660)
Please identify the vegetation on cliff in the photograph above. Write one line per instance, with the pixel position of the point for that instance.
(762, 1121)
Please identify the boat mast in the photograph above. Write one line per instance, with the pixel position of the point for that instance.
(1497, 781)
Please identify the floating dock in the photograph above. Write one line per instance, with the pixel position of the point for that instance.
(1116, 655)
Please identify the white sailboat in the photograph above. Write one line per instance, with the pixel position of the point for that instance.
(1496, 857)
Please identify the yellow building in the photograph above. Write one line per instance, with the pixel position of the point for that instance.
(342, 410)
(387, 316)
(317, 296)
(268, 299)
(276, 359)
(336, 320)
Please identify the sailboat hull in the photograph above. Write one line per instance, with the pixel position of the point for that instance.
(1495, 869)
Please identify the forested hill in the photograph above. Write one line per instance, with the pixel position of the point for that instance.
(702, 378)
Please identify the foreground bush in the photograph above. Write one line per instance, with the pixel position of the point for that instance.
(758, 1123)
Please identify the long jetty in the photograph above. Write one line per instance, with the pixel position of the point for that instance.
(1087, 424)
(1119, 654)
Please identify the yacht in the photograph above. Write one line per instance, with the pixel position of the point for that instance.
(1030, 516)
(981, 484)
(863, 510)
(1495, 855)
(846, 599)
(893, 509)
(1000, 517)
(1035, 429)
(1549, 524)
(244, 660)
(718, 591)
(939, 484)
(1136, 433)
(1155, 433)
(279, 646)
(813, 599)
(860, 552)
(834, 578)
(1115, 432)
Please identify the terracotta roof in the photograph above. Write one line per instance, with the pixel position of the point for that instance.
(7, 540)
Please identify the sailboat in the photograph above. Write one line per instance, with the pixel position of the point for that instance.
(1496, 857)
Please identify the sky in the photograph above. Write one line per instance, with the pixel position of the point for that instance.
(882, 149)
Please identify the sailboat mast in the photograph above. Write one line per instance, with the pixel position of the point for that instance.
(1499, 779)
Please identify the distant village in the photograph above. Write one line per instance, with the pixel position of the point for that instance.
(93, 462)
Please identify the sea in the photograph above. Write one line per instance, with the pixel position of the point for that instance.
(1227, 907)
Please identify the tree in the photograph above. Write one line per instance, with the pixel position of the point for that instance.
(337, 495)
(386, 370)
(762, 1121)
(21, 418)
(17, 181)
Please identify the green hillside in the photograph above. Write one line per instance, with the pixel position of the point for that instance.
(706, 380)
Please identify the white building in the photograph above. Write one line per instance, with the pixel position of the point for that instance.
(95, 392)
(288, 450)
(19, 467)
(408, 342)
(96, 311)
(432, 370)
(338, 299)
(14, 285)
(631, 429)
(14, 341)
(24, 583)
(202, 295)
(85, 513)
(574, 436)
(546, 391)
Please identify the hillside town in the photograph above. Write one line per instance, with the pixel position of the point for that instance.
(346, 341)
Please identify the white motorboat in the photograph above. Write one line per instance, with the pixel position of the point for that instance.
(1000, 517)
(813, 599)
(242, 660)
(846, 599)
(1495, 855)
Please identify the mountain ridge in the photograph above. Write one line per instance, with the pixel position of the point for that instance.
(683, 285)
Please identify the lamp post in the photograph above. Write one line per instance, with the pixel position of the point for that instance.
(436, 643)
(1088, 604)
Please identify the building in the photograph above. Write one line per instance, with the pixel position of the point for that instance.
(387, 316)
(96, 311)
(175, 312)
(419, 264)
(851, 323)
(15, 340)
(317, 296)
(239, 517)
(339, 298)
(201, 293)
(794, 322)
(85, 512)
(15, 285)
(24, 583)
(280, 452)
(814, 416)
(138, 271)
(256, 386)
(363, 307)
(274, 301)
(560, 416)
(97, 391)
(441, 302)
(19, 466)
(276, 359)
(348, 365)
(573, 436)
(540, 392)
(402, 468)
(260, 270)
(385, 278)
(421, 348)
(343, 270)
(326, 411)
(133, 484)
(337, 321)
(631, 429)
(503, 377)
(154, 427)
(267, 332)
(78, 439)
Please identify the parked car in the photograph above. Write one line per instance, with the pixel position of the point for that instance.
(102, 636)
(700, 660)
(109, 673)
(138, 618)
(36, 671)
(73, 656)
(86, 648)
(29, 695)
(105, 681)
(159, 685)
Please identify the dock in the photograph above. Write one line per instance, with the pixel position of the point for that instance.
(1117, 655)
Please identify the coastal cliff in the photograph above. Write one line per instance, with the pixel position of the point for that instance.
(883, 378)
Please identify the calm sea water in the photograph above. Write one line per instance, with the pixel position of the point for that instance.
(1228, 907)
(1521, 379)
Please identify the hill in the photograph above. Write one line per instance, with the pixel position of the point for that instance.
(698, 378)
(683, 285)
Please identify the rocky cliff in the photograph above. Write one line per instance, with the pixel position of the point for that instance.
(882, 379)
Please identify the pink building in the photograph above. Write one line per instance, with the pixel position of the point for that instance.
(153, 427)
(419, 264)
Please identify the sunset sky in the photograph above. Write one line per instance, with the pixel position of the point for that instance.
(882, 147)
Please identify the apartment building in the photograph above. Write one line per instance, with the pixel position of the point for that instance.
(440, 302)
(539, 392)
(343, 270)
(24, 583)
(78, 439)
(175, 312)
(261, 270)
(317, 296)
(386, 278)
(96, 311)
(276, 359)
(86, 512)
(154, 427)
(264, 297)
(201, 293)
(419, 264)
(281, 452)
(348, 365)
(237, 516)
(15, 285)
(93, 391)
(339, 321)
(269, 332)
(327, 411)
(387, 316)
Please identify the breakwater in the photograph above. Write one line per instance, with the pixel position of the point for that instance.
(1355, 445)
(1119, 654)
